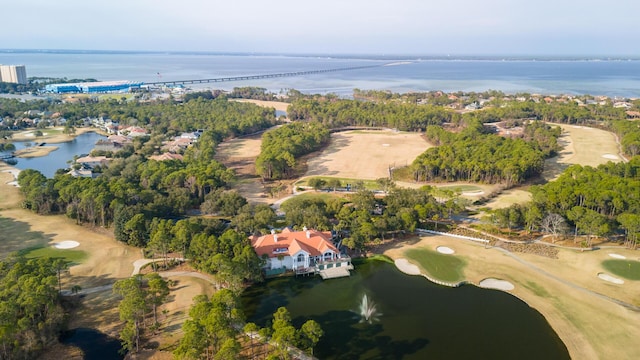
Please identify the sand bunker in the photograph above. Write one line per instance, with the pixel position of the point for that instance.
(67, 244)
(617, 256)
(473, 193)
(611, 157)
(406, 267)
(445, 250)
(491, 283)
(609, 278)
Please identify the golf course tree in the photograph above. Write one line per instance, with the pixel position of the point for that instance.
(336, 113)
(230, 257)
(31, 316)
(477, 157)
(594, 201)
(213, 329)
(286, 337)
(281, 147)
(140, 296)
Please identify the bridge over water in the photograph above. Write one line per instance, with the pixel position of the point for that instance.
(256, 77)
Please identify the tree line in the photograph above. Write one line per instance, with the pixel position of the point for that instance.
(335, 113)
(584, 200)
(217, 326)
(471, 155)
(31, 313)
(281, 147)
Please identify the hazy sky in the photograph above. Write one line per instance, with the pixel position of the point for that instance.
(429, 27)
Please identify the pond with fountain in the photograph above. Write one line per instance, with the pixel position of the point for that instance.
(381, 313)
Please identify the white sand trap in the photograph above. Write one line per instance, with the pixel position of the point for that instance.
(67, 244)
(609, 278)
(407, 267)
(611, 157)
(385, 145)
(445, 250)
(617, 256)
(473, 193)
(491, 283)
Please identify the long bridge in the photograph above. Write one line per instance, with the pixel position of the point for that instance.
(256, 77)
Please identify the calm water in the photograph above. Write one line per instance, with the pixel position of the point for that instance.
(596, 77)
(419, 320)
(47, 165)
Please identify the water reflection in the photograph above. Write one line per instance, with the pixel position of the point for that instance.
(58, 159)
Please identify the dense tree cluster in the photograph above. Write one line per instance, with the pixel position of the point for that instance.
(335, 113)
(590, 201)
(365, 220)
(216, 326)
(30, 312)
(473, 156)
(141, 297)
(281, 147)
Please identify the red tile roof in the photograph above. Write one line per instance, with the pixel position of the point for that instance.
(288, 242)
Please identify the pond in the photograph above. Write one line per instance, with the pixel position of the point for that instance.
(47, 165)
(413, 318)
(94, 344)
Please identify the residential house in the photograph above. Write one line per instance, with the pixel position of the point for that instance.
(302, 251)
(93, 161)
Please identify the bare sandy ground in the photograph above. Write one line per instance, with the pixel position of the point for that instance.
(366, 154)
(582, 145)
(35, 151)
(278, 105)
(590, 325)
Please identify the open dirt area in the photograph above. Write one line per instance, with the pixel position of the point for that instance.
(366, 154)
(240, 155)
(278, 105)
(567, 291)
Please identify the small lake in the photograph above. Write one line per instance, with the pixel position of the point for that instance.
(416, 318)
(47, 165)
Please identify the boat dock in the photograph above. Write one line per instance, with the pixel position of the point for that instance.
(335, 272)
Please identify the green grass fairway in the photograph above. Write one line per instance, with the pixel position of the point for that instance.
(440, 266)
(319, 195)
(627, 269)
(16, 236)
(70, 256)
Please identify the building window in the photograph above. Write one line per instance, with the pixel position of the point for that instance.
(328, 256)
(301, 258)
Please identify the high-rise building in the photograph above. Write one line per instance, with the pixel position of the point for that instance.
(16, 74)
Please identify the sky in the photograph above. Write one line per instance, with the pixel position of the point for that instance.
(378, 27)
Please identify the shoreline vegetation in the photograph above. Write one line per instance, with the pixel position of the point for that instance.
(564, 290)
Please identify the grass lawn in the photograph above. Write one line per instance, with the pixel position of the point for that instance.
(70, 256)
(627, 269)
(324, 196)
(368, 184)
(440, 266)
(17, 235)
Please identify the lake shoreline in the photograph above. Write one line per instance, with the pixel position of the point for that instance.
(578, 319)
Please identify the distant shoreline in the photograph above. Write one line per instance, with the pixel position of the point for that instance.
(415, 57)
